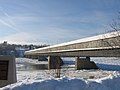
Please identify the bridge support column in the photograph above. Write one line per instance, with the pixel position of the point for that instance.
(54, 62)
(85, 63)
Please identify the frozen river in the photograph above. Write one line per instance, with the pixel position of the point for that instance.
(105, 78)
(108, 66)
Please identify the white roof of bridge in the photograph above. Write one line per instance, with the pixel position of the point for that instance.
(102, 36)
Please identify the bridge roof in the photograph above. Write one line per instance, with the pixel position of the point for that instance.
(102, 36)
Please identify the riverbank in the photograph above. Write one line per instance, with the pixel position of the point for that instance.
(107, 78)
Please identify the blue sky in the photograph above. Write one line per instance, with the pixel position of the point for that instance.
(54, 21)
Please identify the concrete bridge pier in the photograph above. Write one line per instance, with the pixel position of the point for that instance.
(84, 63)
(54, 62)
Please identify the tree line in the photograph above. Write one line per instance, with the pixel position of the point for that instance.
(17, 50)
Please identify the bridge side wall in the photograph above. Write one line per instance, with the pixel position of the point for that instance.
(107, 42)
(83, 53)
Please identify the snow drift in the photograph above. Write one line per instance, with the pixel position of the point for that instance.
(108, 83)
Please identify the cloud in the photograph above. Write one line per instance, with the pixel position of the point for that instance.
(49, 30)
(20, 38)
(52, 36)
(93, 17)
(8, 25)
(6, 20)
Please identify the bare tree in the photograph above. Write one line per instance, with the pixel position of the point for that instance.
(115, 26)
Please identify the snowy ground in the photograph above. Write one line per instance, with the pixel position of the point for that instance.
(107, 78)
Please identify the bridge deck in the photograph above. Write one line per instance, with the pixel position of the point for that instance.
(91, 46)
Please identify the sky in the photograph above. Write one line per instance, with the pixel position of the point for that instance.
(54, 21)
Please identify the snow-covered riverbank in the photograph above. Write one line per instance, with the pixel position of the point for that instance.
(108, 78)
(108, 83)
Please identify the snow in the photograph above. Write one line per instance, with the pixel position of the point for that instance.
(109, 83)
(107, 78)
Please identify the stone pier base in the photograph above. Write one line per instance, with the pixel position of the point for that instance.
(85, 63)
(54, 62)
